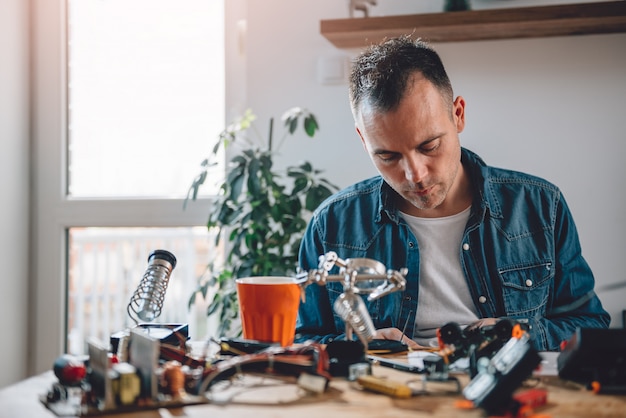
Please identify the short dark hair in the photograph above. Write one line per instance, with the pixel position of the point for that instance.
(381, 73)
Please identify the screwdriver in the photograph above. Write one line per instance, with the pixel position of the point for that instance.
(385, 386)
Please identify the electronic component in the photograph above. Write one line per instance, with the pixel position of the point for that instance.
(173, 334)
(343, 354)
(394, 364)
(239, 346)
(595, 357)
(474, 342)
(313, 383)
(532, 398)
(69, 369)
(380, 346)
(357, 370)
(492, 388)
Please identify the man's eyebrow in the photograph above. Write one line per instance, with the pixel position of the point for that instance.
(432, 138)
(383, 151)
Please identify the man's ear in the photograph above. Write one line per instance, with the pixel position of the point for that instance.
(458, 109)
(358, 131)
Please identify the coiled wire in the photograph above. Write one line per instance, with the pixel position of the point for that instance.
(147, 300)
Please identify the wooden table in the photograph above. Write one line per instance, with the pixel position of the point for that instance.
(276, 399)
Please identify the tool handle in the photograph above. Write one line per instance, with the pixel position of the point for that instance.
(385, 386)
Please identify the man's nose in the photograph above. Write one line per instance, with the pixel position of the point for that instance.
(415, 170)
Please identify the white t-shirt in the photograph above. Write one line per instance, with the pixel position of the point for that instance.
(443, 291)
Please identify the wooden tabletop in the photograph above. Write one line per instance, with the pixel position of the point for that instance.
(268, 397)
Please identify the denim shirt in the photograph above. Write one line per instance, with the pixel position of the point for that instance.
(520, 253)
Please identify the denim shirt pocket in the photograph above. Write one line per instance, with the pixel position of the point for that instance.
(526, 288)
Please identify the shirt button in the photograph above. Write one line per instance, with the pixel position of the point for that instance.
(411, 245)
(466, 246)
(529, 282)
(482, 299)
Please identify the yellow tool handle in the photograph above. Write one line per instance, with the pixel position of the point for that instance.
(388, 387)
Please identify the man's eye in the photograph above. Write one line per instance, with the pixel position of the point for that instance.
(387, 157)
(430, 147)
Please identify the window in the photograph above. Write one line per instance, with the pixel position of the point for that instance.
(145, 94)
(106, 266)
(129, 96)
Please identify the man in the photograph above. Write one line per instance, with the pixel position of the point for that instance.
(480, 243)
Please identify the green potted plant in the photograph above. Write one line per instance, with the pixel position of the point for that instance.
(259, 213)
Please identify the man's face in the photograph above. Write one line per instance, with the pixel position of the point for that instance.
(417, 151)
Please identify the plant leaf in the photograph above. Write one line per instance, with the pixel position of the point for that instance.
(254, 182)
(300, 183)
(310, 125)
(315, 196)
(293, 125)
(215, 305)
(236, 184)
(259, 214)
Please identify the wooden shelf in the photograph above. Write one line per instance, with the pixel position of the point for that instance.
(473, 25)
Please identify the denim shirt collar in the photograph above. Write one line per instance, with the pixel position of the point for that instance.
(484, 200)
(387, 207)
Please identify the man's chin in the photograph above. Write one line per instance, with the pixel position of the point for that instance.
(419, 205)
(424, 205)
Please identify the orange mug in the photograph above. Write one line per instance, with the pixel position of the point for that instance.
(268, 307)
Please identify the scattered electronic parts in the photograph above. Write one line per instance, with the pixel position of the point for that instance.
(148, 366)
(492, 387)
(157, 375)
(474, 343)
(309, 358)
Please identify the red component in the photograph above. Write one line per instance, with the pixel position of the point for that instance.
(113, 359)
(524, 403)
(532, 397)
(69, 370)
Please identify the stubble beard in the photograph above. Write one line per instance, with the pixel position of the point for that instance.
(432, 200)
(437, 193)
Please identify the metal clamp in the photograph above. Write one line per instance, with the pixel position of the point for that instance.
(359, 276)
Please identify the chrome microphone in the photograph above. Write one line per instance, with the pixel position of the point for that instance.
(147, 300)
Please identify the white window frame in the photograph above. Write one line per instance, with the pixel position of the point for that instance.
(53, 212)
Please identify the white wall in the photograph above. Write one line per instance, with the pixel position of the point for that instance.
(549, 106)
(14, 188)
